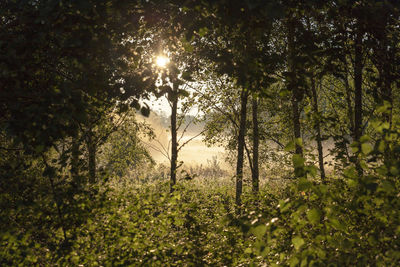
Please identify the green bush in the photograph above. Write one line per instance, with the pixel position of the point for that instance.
(354, 220)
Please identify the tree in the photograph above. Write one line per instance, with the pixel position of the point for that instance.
(124, 154)
(219, 39)
(65, 51)
(60, 62)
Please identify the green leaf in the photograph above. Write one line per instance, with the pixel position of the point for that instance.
(290, 146)
(366, 148)
(293, 262)
(284, 93)
(398, 230)
(203, 31)
(297, 242)
(304, 262)
(387, 186)
(382, 170)
(375, 124)
(259, 231)
(384, 108)
(365, 138)
(336, 224)
(381, 146)
(321, 253)
(298, 160)
(284, 206)
(394, 171)
(314, 216)
(299, 142)
(312, 170)
(350, 172)
(352, 183)
(355, 146)
(184, 93)
(385, 126)
(304, 184)
(188, 47)
(179, 221)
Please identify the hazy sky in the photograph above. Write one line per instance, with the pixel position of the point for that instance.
(161, 106)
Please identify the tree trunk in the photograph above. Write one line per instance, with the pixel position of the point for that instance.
(318, 130)
(358, 87)
(296, 91)
(387, 94)
(296, 125)
(358, 66)
(174, 143)
(92, 157)
(293, 87)
(256, 141)
(241, 140)
(75, 161)
(350, 113)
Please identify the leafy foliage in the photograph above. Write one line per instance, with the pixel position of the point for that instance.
(73, 72)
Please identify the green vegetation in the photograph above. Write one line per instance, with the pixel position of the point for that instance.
(303, 96)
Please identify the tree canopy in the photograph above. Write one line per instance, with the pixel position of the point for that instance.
(303, 95)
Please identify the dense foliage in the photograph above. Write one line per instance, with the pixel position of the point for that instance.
(303, 95)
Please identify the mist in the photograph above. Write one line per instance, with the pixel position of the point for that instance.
(194, 152)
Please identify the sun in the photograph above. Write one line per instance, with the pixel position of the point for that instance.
(162, 61)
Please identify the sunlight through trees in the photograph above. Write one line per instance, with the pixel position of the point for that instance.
(302, 96)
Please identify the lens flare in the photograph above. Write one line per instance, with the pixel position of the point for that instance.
(162, 61)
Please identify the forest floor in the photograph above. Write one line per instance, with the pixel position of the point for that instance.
(145, 225)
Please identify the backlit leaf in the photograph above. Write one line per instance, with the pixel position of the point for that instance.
(314, 216)
(297, 242)
(366, 148)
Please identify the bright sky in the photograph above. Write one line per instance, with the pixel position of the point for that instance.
(161, 105)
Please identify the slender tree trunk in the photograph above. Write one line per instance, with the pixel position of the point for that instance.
(296, 91)
(388, 116)
(92, 157)
(174, 143)
(358, 87)
(241, 140)
(318, 130)
(75, 160)
(57, 200)
(296, 94)
(256, 141)
(387, 94)
(350, 113)
(358, 116)
(296, 125)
